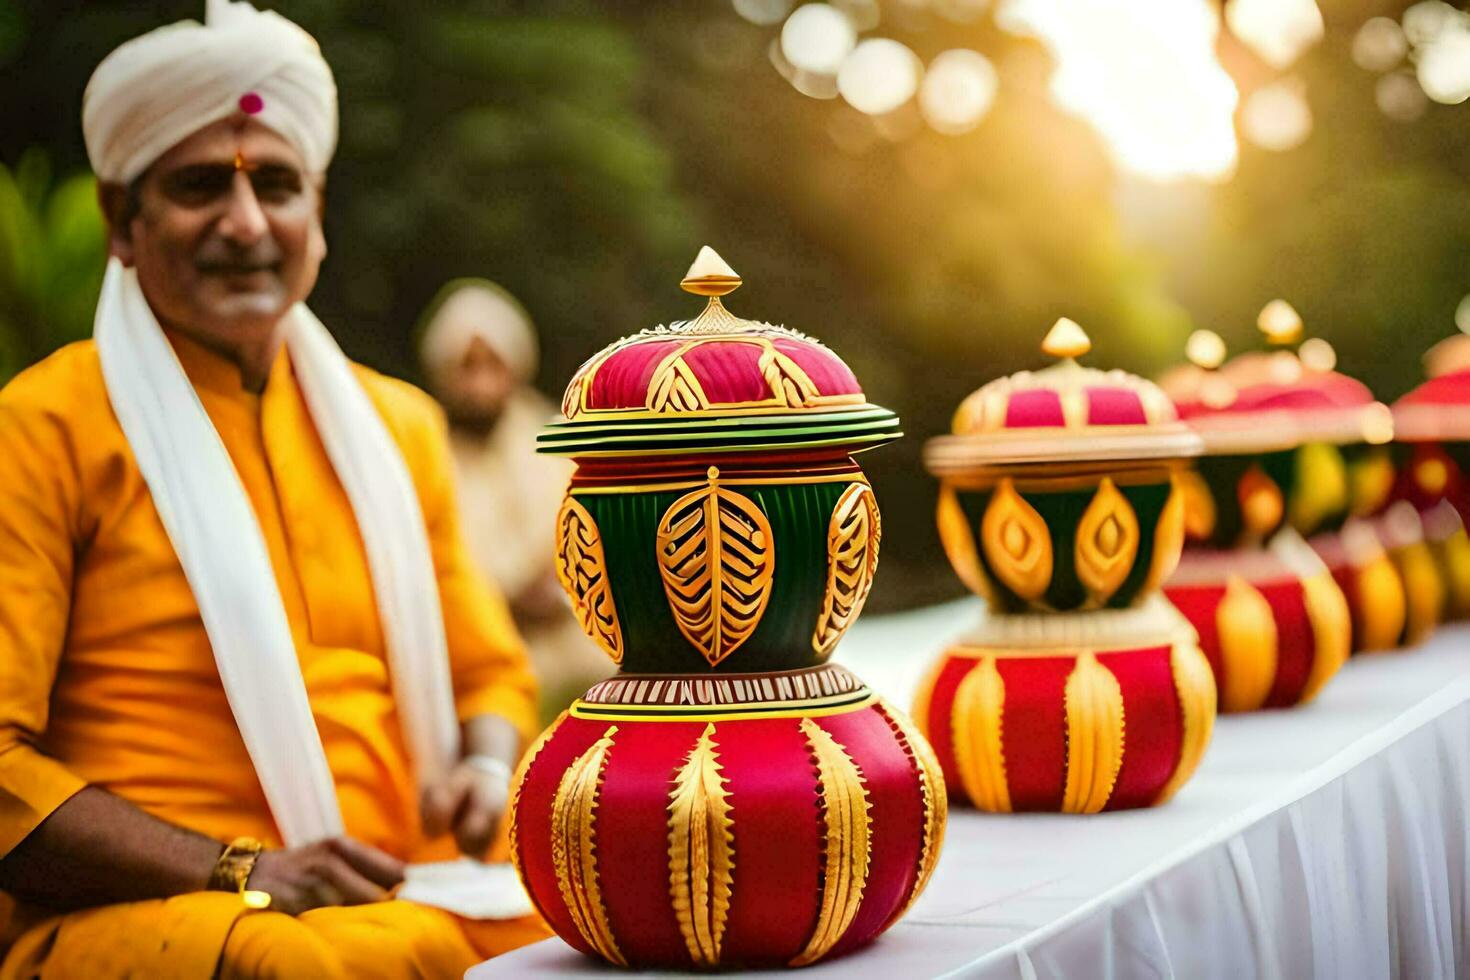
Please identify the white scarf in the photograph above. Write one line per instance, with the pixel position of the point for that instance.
(214, 531)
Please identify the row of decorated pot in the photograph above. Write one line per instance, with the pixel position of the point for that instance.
(732, 798)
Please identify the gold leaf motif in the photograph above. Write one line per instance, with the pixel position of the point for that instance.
(975, 727)
(849, 841)
(574, 847)
(675, 387)
(958, 539)
(717, 557)
(581, 568)
(789, 384)
(1106, 543)
(1246, 625)
(936, 800)
(1168, 540)
(701, 850)
(1194, 684)
(1332, 630)
(1017, 543)
(853, 535)
(1094, 705)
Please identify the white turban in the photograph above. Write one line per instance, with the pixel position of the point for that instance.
(157, 90)
(477, 309)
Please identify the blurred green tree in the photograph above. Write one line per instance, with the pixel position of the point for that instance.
(52, 244)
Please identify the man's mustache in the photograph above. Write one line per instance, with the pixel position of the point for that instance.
(221, 256)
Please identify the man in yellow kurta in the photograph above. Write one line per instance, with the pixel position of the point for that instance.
(140, 830)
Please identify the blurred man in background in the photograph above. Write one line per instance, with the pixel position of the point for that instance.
(479, 355)
(247, 669)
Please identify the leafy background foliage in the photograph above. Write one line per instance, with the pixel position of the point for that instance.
(580, 152)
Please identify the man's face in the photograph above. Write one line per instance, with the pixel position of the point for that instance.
(225, 232)
(475, 388)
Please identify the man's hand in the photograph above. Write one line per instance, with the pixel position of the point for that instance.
(470, 801)
(339, 871)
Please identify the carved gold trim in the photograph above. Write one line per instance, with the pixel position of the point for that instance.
(1017, 543)
(717, 558)
(854, 534)
(1332, 631)
(975, 727)
(674, 386)
(935, 798)
(517, 781)
(1106, 544)
(1168, 540)
(581, 567)
(1246, 626)
(1194, 684)
(701, 850)
(574, 847)
(1094, 706)
(958, 539)
(789, 383)
(849, 844)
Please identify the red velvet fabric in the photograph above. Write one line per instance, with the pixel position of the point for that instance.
(777, 823)
(1447, 389)
(728, 372)
(941, 710)
(1153, 725)
(1198, 603)
(1036, 408)
(622, 380)
(1114, 406)
(1034, 730)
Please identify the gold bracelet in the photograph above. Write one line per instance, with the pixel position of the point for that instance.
(232, 871)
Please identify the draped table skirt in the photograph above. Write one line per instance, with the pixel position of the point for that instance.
(1327, 841)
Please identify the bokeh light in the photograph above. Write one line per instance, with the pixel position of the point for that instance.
(1145, 75)
(958, 90)
(766, 13)
(1379, 44)
(879, 76)
(1444, 63)
(808, 83)
(817, 38)
(1462, 315)
(1400, 97)
(1205, 349)
(864, 15)
(1277, 116)
(1277, 30)
(1280, 322)
(1317, 354)
(1424, 21)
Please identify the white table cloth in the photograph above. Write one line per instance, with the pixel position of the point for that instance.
(1328, 841)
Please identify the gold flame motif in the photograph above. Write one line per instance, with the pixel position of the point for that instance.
(1194, 684)
(849, 841)
(701, 850)
(1094, 705)
(1017, 543)
(853, 535)
(1106, 543)
(574, 847)
(979, 703)
(1248, 646)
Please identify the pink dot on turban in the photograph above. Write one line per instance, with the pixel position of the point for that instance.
(251, 103)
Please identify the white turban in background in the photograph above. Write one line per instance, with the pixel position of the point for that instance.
(157, 90)
(471, 309)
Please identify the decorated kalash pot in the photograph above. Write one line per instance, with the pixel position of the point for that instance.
(1081, 689)
(1336, 485)
(1432, 429)
(729, 798)
(1271, 617)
